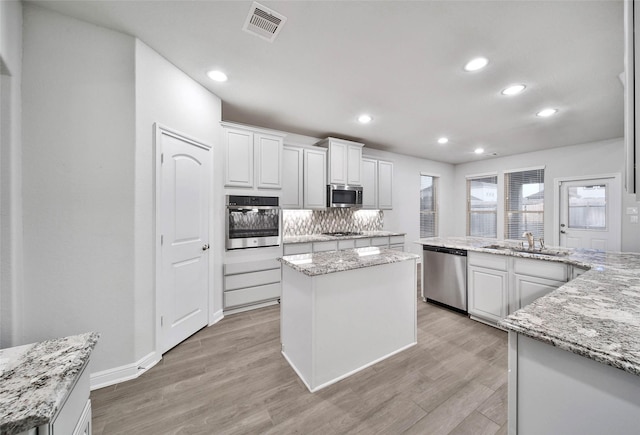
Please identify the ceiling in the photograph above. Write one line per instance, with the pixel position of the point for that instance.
(402, 63)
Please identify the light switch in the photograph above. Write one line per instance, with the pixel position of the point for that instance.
(632, 210)
(633, 219)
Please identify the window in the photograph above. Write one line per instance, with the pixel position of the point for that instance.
(524, 203)
(588, 207)
(482, 206)
(428, 206)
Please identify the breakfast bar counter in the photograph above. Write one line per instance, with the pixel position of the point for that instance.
(342, 311)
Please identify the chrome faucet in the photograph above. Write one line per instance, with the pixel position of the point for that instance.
(530, 240)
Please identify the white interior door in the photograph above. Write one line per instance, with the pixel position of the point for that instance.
(185, 183)
(590, 214)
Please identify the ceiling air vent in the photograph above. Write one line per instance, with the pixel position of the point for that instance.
(264, 22)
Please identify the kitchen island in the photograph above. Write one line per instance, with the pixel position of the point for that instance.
(44, 386)
(342, 311)
(574, 353)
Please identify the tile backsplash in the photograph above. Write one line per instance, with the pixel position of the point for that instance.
(299, 222)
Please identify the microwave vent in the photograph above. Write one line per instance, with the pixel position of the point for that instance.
(263, 22)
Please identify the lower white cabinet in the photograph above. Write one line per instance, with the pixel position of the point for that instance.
(250, 283)
(487, 293)
(499, 285)
(391, 242)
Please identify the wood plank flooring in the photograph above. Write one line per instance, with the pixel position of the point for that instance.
(231, 379)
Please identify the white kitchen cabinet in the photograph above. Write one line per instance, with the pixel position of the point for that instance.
(297, 248)
(292, 177)
(344, 161)
(391, 242)
(487, 293)
(253, 157)
(377, 184)
(331, 245)
(385, 185)
(369, 183)
(315, 179)
(250, 283)
(631, 93)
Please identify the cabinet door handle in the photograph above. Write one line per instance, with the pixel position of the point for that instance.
(205, 247)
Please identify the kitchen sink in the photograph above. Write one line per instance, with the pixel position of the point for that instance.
(548, 252)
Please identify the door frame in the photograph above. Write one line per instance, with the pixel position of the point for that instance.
(160, 129)
(557, 194)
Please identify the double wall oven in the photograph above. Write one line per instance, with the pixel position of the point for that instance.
(252, 222)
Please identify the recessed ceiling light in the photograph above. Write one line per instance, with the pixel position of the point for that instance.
(364, 119)
(545, 113)
(513, 90)
(476, 64)
(479, 150)
(443, 140)
(218, 76)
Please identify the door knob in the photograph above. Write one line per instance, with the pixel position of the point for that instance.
(205, 247)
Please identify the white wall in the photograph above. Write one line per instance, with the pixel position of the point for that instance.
(166, 95)
(10, 172)
(78, 178)
(586, 159)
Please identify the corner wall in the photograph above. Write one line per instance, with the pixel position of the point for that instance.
(78, 177)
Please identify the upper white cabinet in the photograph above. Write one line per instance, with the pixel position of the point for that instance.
(632, 93)
(385, 185)
(292, 181)
(304, 178)
(315, 178)
(377, 184)
(253, 157)
(369, 183)
(345, 161)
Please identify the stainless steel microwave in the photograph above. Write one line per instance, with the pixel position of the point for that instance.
(342, 195)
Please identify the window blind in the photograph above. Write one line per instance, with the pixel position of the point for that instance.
(428, 206)
(482, 206)
(524, 203)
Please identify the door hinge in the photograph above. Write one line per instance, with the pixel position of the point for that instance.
(162, 158)
(161, 239)
(161, 320)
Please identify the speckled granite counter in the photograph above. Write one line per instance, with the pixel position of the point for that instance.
(597, 315)
(36, 378)
(309, 238)
(322, 263)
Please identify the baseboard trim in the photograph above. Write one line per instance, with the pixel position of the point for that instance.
(123, 373)
(216, 317)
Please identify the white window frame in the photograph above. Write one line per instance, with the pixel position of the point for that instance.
(498, 199)
(436, 204)
(505, 191)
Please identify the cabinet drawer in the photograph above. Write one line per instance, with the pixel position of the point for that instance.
(399, 247)
(297, 248)
(69, 416)
(396, 240)
(251, 295)
(251, 266)
(242, 280)
(491, 261)
(382, 242)
(346, 244)
(541, 268)
(362, 243)
(325, 246)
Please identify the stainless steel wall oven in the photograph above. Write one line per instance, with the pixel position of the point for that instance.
(252, 222)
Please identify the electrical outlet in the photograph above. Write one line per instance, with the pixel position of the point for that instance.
(632, 210)
(633, 219)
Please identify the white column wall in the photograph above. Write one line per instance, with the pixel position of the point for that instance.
(10, 172)
(78, 177)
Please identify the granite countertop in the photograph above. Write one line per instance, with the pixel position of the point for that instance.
(309, 238)
(322, 263)
(36, 378)
(596, 315)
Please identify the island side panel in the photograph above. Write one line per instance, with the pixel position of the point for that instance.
(362, 316)
(564, 393)
(296, 313)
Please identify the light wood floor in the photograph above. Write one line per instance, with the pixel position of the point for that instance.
(231, 379)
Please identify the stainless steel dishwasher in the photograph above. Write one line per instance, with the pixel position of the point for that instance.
(444, 277)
